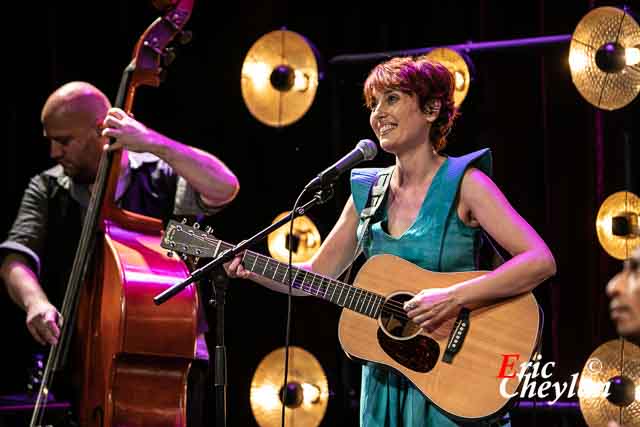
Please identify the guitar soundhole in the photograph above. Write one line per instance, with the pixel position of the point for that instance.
(394, 320)
(400, 338)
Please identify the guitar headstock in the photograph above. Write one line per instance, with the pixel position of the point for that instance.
(190, 240)
(152, 52)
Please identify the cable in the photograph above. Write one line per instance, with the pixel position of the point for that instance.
(288, 327)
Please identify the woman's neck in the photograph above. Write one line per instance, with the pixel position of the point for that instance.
(417, 166)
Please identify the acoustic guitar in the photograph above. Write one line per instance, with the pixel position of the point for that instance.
(456, 366)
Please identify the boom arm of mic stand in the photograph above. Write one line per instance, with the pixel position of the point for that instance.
(320, 197)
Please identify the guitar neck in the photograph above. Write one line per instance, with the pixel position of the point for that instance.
(340, 293)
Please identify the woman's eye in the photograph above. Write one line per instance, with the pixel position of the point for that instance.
(391, 98)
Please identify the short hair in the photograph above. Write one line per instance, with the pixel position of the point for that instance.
(428, 79)
(79, 98)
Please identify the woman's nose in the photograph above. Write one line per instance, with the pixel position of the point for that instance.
(378, 112)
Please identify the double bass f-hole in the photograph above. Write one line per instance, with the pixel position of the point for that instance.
(114, 359)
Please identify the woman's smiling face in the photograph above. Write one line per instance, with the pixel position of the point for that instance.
(397, 120)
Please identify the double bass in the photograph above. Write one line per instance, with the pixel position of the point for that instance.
(132, 357)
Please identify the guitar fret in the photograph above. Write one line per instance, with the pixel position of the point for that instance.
(265, 268)
(376, 313)
(364, 301)
(311, 287)
(353, 295)
(294, 279)
(372, 306)
(319, 287)
(338, 301)
(297, 283)
(348, 302)
(255, 258)
(366, 309)
(274, 272)
(325, 288)
(362, 298)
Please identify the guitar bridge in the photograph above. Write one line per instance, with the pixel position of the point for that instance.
(456, 338)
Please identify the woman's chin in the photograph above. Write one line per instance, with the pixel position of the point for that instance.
(388, 145)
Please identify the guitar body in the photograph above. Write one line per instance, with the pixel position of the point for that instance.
(508, 327)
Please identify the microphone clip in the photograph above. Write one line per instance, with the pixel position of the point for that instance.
(324, 193)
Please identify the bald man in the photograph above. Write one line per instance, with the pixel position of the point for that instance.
(160, 177)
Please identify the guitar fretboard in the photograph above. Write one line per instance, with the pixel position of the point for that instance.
(342, 294)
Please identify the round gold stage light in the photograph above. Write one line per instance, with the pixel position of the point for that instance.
(307, 391)
(604, 57)
(457, 64)
(617, 224)
(280, 78)
(305, 241)
(613, 369)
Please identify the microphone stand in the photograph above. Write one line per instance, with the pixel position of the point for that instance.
(220, 284)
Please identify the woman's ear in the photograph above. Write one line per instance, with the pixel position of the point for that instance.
(432, 109)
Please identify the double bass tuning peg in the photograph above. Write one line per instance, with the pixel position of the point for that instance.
(168, 56)
(162, 75)
(185, 37)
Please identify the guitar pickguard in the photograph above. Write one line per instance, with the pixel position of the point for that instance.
(419, 353)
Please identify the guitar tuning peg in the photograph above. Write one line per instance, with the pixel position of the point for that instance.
(196, 225)
(184, 257)
(208, 229)
(170, 254)
(185, 37)
(168, 56)
(184, 220)
(162, 76)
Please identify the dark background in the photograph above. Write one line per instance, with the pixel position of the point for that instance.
(556, 157)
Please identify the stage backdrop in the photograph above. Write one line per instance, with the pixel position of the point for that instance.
(555, 156)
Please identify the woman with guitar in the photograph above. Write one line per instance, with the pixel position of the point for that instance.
(159, 177)
(434, 208)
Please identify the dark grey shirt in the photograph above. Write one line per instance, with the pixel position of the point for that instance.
(49, 222)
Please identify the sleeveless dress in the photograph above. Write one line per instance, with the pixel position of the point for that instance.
(438, 241)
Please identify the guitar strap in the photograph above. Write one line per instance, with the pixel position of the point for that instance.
(374, 200)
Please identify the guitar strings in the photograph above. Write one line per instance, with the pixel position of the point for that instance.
(394, 307)
(314, 288)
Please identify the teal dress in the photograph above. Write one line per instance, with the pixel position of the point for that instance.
(438, 241)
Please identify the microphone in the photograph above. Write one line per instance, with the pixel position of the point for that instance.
(365, 150)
